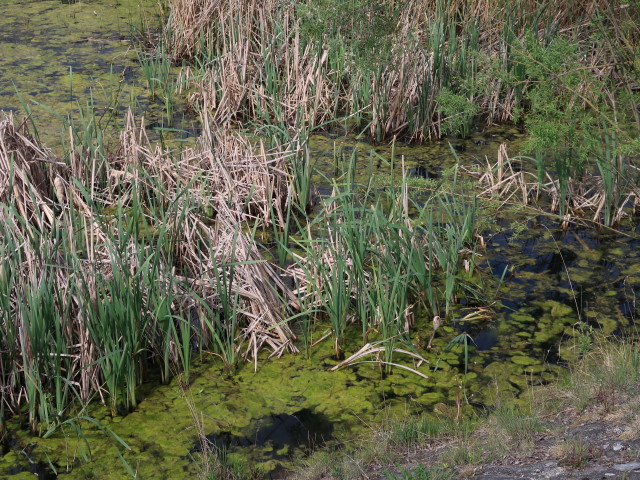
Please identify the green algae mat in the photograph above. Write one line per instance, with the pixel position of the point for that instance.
(60, 57)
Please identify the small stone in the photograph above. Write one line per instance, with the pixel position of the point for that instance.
(626, 467)
(617, 447)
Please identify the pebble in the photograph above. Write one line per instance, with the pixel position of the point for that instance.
(626, 467)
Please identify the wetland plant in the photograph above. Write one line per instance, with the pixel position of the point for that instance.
(99, 277)
(372, 258)
(430, 68)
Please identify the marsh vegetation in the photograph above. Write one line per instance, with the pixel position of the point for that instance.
(125, 260)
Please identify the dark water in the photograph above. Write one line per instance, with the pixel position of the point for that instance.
(281, 433)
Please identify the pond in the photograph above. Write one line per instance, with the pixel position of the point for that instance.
(62, 59)
(558, 288)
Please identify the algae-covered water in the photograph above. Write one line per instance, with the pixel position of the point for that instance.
(61, 58)
(559, 287)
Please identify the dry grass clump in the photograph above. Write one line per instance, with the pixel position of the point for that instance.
(513, 181)
(256, 65)
(416, 68)
(113, 263)
(27, 172)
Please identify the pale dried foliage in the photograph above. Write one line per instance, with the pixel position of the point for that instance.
(246, 44)
(41, 201)
(242, 184)
(510, 182)
(258, 68)
(258, 43)
(26, 173)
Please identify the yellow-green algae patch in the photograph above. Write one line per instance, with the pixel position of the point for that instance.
(58, 57)
(162, 433)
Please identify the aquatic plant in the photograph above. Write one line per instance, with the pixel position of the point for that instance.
(106, 258)
(431, 67)
(600, 194)
(122, 257)
(513, 61)
(371, 255)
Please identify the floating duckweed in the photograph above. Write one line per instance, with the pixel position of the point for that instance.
(610, 325)
(535, 369)
(558, 309)
(592, 256)
(520, 381)
(430, 398)
(580, 275)
(523, 360)
(522, 318)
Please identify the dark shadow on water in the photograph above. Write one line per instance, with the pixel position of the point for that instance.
(303, 430)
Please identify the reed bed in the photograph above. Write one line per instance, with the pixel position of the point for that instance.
(373, 257)
(119, 260)
(417, 68)
(133, 260)
(601, 197)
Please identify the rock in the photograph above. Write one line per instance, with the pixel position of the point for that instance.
(627, 467)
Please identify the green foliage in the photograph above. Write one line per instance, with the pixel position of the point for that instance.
(458, 112)
(422, 473)
(556, 120)
(359, 29)
(572, 119)
(585, 336)
(414, 430)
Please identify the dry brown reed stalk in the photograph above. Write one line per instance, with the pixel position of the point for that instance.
(586, 199)
(509, 181)
(241, 183)
(259, 69)
(30, 178)
(372, 349)
(243, 36)
(190, 19)
(80, 212)
(234, 84)
(27, 173)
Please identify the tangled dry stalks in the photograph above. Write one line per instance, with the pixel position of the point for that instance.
(181, 226)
